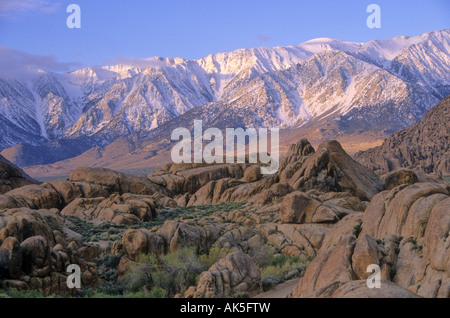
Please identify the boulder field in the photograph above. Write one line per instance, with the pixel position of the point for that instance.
(321, 205)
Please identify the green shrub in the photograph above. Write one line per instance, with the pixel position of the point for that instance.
(164, 275)
(276, 268)
(157, 292)
(214, 254)
(270, 282)
(263, 257)
(357, 229)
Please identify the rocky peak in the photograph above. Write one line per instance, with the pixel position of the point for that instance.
(330, 168)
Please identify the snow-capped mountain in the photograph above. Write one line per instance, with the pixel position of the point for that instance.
(379, 85)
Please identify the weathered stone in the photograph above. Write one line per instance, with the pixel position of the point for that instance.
(297, 207)
(36, 256)
(30, 196)
(10, 258)
(252, 173)
(115, 181)
(330, 168)
(237, 274)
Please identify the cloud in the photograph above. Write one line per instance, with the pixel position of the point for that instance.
(19, 64)
(143, 62)
(9, 8)
(263, 38)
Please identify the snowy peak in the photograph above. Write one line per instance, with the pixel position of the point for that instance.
(265, 86)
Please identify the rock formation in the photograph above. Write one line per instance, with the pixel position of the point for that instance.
(321, 205)
(404, 230)
(424, 146)
(12, 177)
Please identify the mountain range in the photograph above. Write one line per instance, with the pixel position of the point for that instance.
(121, 116)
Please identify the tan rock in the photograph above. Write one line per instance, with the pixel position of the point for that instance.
(330, 168)
(366, 253)
(236, 274)
(399, 177)
(142, 241)
(115, 181)
(31, 196)
(252, 173)
(297, 207)
(359, 289)
(10, 258)
(36, 256)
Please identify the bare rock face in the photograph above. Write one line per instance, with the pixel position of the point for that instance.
(252, 173)
(330, 168)
(182, 178)
(296, 156)
(399, 177)
(302, 240)
(424, 146)
(115, 181)
(403, 230)
(185, 234)
(23, 223)
(35, 249)
(31, 196)
(236, 274)
(10, 258)
(142, 241)
(36, 255)
(298, 207)
(12, 177)
(229, 190)
(69, 191)
(358, 289)
(121, 209)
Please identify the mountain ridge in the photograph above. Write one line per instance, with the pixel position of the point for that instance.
(354, 84)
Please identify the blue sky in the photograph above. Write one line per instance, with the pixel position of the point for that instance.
(115, 29)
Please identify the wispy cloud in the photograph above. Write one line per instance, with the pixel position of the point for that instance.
(263, 38)
(141, 62)
(10, 8)
(19, 64)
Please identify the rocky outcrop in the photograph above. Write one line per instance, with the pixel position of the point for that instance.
(302, 240)
(12, 177)
(126, 209)
(31, 196)
(330, 168)
(299, 207)
(35, 249)
(399, 177)
(403, 230)
(424, 146)
(358, 289)
(236, 274)
(229, 190)
(188, 178)
(115, 181)
(69, 191)
(252, 173)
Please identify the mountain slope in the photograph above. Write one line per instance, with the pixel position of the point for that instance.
(330, 86)
(425, 145)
